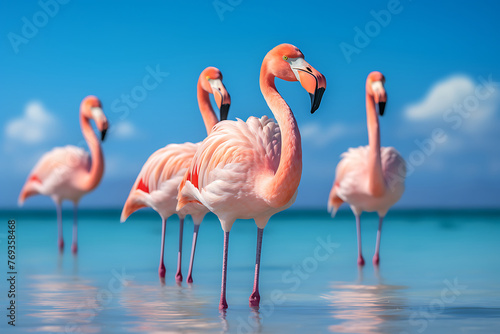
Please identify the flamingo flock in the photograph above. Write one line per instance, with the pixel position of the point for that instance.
(241, 170)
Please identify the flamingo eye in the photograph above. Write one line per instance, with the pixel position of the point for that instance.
(285, 58)
(208, 77)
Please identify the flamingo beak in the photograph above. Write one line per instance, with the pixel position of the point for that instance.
(100, 120)
(380, 96)
(103, 134)
(381, 108)
(313, 81)
(222, 97)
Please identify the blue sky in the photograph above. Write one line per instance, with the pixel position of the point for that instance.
(440, 61)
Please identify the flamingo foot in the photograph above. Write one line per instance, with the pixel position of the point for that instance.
(254, 299)
(361, 261)
(60, 244)
(178, 276)
(161, 271)
(376, 260)
(223, 304)
(189, 279)
(74, 248)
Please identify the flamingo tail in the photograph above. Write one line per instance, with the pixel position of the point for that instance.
(30, 188)
(188, 193)
(334, 201)
(135, 201)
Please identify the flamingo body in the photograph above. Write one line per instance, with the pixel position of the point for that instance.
(351, 184)
(56, 175)
(157, 184)
(230, 168)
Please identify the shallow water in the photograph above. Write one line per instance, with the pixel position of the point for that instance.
(439, 273)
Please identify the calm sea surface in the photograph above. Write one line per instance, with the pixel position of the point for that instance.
(439, 273)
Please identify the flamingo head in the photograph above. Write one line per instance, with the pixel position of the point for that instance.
(287, 62)
(211, 82)
(375, 88)
(91, 108)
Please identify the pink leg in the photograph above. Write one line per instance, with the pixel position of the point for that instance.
(376, 257)
(223, 302)
(74, 246)
(193, 248)
(361, 261)
(60, 240)
(178, 275)
(254, 299)
(161, 269)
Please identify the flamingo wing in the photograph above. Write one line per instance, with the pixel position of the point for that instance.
(352, 178)
(54, 173)
(157, 183)
(228, 161)
(394, 169)
(351, 171)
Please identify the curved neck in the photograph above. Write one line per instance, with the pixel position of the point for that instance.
(207, 112)
(282, 186)
(376, 182)
(97, 160)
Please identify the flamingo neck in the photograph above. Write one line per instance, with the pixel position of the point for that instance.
(376, 182)
(283, 185)
(94, 176)
(207, 112)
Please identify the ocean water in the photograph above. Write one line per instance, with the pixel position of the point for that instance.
(439, 273)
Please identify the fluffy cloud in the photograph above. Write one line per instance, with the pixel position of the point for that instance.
(322, 135)
(124, 130)
(457, 100)
(35, 126)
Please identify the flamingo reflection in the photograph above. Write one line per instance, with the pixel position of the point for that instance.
(364, 308)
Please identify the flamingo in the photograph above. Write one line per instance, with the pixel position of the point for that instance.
(251, 170)
(68, 173)
(158, 181)
(369, 178)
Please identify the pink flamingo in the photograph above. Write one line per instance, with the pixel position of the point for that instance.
(68, 173)
(157, 184)
(369, 178)
(252, 170)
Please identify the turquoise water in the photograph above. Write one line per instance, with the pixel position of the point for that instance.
(439, 273)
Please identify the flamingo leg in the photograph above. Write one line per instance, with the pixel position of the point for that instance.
(178, 275)
(376, 257)
(193, 248)
(161, 269)
(60, 240)
(361, 261)
(223, 302)
(74, 246)
(254, 299)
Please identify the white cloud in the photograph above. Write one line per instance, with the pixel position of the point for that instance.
(321, 135)
(35, 126)
(457, 99)
(441, 96)
(124, 130)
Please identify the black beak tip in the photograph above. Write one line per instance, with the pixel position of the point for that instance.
(312, 103)
(316, 99)
(381, 108)
(224, 111)
(103, 134)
